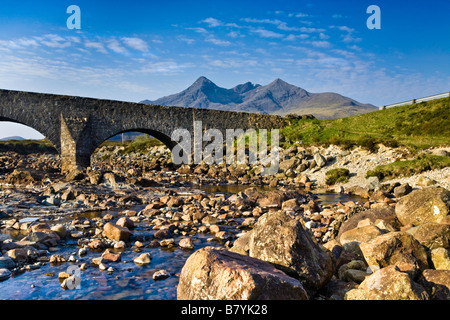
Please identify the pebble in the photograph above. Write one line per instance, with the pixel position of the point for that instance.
(160, 275)
(144, 258)
(82, 252)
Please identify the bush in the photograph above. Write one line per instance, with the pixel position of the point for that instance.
(368, 143)
(339, 175)
(141, 144)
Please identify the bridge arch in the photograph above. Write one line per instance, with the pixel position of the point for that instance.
(37, 128)
(164, 138)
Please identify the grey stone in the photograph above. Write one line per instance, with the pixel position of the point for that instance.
(4, 274)
(7, 263)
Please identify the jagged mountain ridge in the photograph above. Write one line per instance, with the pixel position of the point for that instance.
(278, 97)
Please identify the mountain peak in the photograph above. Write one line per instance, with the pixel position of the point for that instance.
(279, 82)
(245, 87)
(203, 81)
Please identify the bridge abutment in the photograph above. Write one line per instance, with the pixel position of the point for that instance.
(73, 153)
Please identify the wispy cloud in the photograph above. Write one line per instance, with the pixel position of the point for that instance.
(95, 45)
(293, 37)
(348, 37)
(213, 22)
(217, 42)
(136, 44)
(264, 33)
(186, 39)
(311, 30)
(198, 29)
(164, 67)
(116, 46)
(321, 44)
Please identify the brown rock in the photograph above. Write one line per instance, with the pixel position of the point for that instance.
(19, 255)
(360, 235)
(163, 234)
(425, 205)
(386, 214)
(97, 244)
(115, 232)
(218, 274)
(20, 177)
(186, 243)
(125, 222)
(388, 284)
(395, 248)
(279, 239)
(437, 283)
(432, 235)
(111, 256)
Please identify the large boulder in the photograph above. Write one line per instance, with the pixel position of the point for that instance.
(218, 274)
(281, 240)
(395, 248)
(425, 205)
(432, 235)
(437, 283)
(388, 284)
(360, 234)
(387, 214)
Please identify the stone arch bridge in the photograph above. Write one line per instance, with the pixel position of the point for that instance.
(76, 126)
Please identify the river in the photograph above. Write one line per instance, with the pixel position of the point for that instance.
(128, 281)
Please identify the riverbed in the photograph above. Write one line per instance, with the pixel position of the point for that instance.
(127, 280)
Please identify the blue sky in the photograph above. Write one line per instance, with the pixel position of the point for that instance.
(138, 50)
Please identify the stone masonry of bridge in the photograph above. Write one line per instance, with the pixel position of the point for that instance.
(76, 126)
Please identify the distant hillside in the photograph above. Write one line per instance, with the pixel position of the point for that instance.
(417, 126)
(12, 138)
(278, 97)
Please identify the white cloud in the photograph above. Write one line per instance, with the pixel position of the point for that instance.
(185, 39)
(136, 44)
(198, 30)
(95, 45)
(264, 33)
(311, 30)
(284, 26)
(269, 21)
(345, 28)
(350, 38)
(115, 46)
(164, 67)
(217, 42)
(293, 37)
(212, 22)
(55, 41)
(323, 36)
(233, 34)
(321, 44)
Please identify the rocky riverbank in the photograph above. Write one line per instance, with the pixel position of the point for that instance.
(274, 239)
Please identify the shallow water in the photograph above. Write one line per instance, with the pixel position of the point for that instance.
(129, 281)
